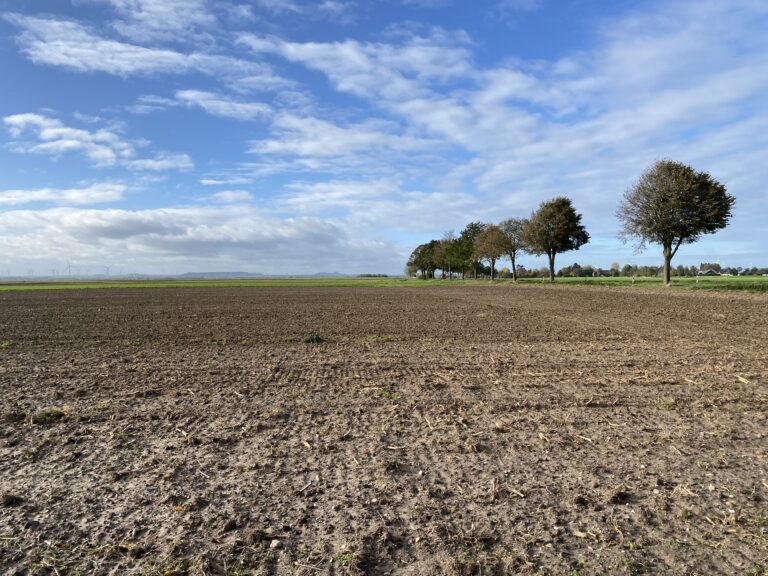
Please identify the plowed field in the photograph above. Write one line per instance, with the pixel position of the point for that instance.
(436, 430)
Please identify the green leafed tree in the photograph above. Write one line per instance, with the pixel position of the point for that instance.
(422, 260)
(491, 244)
(672, 204)
(554, 228)
(513, 230)
(467, 243)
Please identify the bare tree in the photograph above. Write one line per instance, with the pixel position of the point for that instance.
(672, 204)
(491, 244)
(512, 228)
(555, 227)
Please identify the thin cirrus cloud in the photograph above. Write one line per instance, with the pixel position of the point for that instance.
(223, 106)
(313, 137)
(151, 20)
(232, 197)
(69, 44)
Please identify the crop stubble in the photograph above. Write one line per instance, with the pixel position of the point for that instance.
(457, 429)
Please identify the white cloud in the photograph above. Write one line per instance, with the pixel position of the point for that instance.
(149, 103)
(71, 45)
(53, 137)
(225, 237)
(380, 204)
(232, 197)
(280, 6)
(429, 139)
(94, 194)
(507, 7)
(376, 70)
(312, 137)
(149, 20)
(219, 105)
(101, 147)
(339, 9)
(163, 161)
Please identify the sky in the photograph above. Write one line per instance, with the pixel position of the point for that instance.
(295, 137)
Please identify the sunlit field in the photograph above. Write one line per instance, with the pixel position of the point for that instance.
(749, 283)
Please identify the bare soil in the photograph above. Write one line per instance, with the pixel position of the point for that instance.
(435, 430)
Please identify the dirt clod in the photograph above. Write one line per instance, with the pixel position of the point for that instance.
(11, 500)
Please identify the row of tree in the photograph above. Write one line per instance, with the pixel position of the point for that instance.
(554, 228)
(615, 270)
(671, 204)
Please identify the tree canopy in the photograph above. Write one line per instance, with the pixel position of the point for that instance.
(422, 260)
(512, 228)
(467, 241)
(491, 244)
(672, 204)
(555, 227)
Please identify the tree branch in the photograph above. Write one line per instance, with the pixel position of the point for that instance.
(680, 241)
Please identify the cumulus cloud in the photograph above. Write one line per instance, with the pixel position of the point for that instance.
(53, 137)
(102, 147)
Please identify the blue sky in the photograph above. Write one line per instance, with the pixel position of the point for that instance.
(290, 137)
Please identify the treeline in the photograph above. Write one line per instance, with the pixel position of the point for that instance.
(554, 228)
(628, 270)
(671, 204)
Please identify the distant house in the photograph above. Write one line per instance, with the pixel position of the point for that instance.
(708, 272)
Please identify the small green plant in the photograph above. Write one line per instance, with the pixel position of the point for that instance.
(345, 558)
(577, 570)
(5, 344)
(668, 403)
(761, 521)
(48, 415)
(632, 545)
(314, 338)
(686, 514)
(390, 395)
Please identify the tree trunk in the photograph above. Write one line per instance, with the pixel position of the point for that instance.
(551, 267)
(667, 265)
(475, 264)
(493, 268)
(514, 270)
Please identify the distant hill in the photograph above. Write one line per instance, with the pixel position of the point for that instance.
(221, 275)
(197, 275)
